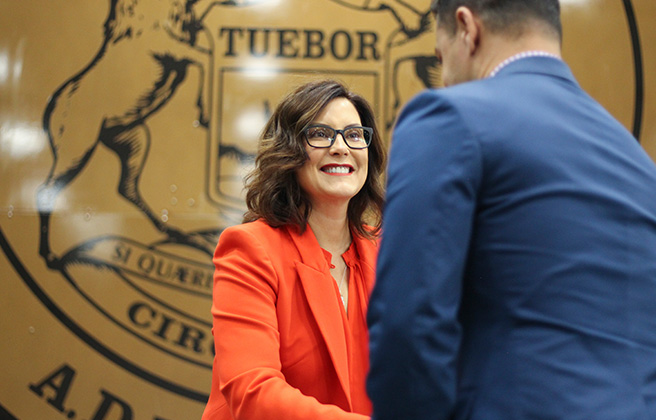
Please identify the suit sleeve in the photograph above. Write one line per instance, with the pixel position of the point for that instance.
(433, 179)
(247, 366)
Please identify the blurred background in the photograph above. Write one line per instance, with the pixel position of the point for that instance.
(126, 127)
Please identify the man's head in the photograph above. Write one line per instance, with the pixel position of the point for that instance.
(502, 16)
(464, 25)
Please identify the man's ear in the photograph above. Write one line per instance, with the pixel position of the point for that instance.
(468, 27)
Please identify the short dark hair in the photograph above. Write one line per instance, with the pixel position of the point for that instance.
(273, 191)
(502, 16)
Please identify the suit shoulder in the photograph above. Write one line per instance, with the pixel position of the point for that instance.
(456, 93)
(442, 110)
(259, 230)
(258, 226)
(460, 100)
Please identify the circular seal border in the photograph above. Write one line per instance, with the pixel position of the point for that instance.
(638, 70)
(197, 396)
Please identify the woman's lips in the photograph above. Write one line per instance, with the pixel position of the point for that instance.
(337, 169)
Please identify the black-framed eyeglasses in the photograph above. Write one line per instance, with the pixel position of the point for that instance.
(323, 136)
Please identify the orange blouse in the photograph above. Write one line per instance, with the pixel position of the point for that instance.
(355, 326)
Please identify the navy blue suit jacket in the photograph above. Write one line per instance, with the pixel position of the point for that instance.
(516, 278)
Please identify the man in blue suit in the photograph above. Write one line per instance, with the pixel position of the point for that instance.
(517, 272)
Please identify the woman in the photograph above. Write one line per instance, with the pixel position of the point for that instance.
(292, 283)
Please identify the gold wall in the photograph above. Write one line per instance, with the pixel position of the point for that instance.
(125, 129)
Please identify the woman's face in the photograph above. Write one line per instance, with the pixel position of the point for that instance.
(335, 174)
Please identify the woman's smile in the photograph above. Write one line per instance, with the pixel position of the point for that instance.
(335, 169)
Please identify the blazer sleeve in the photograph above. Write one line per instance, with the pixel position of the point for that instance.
(414, 332)
(248, 367)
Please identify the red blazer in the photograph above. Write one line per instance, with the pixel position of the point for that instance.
(281, 351)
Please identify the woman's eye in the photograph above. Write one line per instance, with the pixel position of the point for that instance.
(354, 135)
(316, 133)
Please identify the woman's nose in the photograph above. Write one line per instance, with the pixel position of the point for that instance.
(339, 145)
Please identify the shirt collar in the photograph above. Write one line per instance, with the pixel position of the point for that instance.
(523, 54)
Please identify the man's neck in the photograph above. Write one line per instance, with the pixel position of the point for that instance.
(499, 48)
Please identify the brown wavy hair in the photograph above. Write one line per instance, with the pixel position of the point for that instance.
(273, 192)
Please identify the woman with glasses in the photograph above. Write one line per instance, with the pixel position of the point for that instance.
(292, 283)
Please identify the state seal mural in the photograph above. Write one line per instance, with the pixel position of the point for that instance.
(127, 127)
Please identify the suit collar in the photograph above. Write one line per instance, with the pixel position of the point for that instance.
(314, 274)
(311, 254)
(319, 290)
(538, 65)
(308, 249)
(519, 56)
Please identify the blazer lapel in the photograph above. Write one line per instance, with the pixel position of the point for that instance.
(314, 273)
